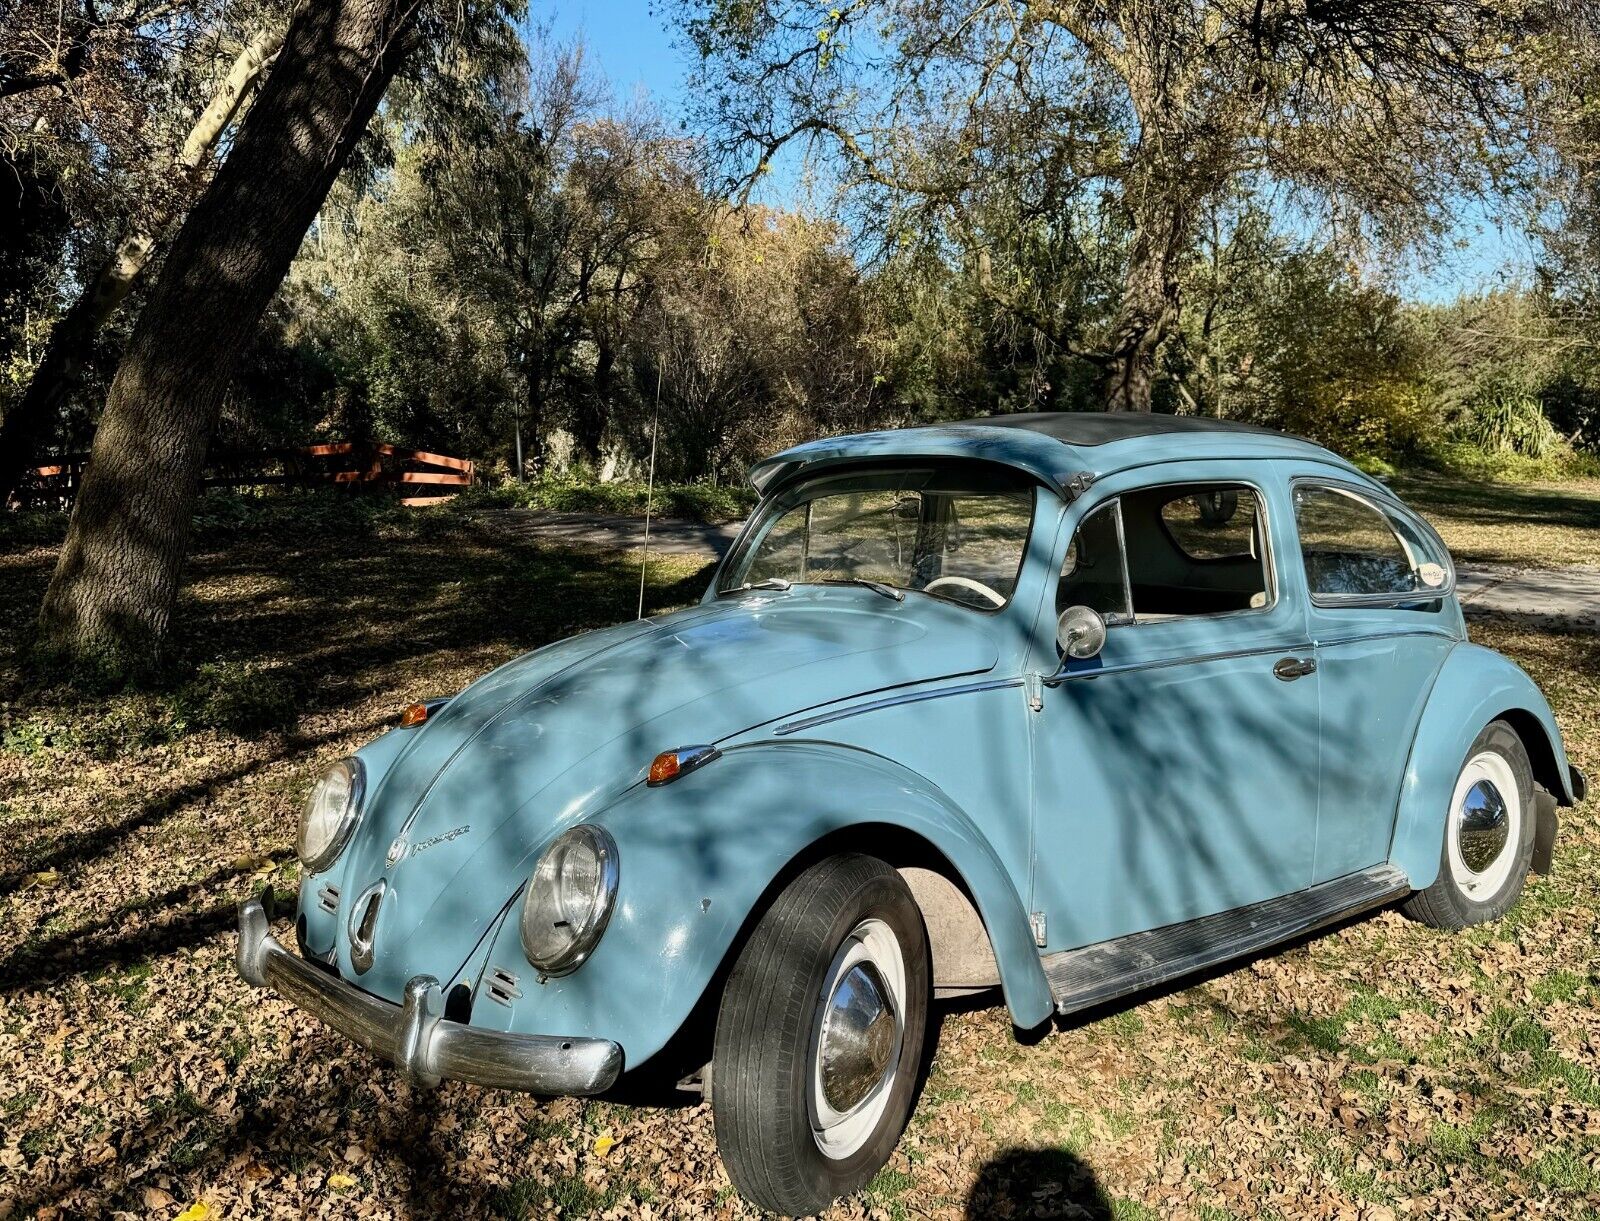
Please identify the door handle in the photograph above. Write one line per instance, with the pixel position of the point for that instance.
(1291, 668)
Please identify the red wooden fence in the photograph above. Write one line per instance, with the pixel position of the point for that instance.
(362, 463)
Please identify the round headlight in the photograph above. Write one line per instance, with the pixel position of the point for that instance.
(330, 814)
(569, 899)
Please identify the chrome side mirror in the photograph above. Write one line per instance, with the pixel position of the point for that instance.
(1080, 632)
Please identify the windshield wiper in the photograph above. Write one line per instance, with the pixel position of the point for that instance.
(877, 587)
(777, 583)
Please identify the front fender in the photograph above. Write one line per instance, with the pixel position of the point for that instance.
(698, 855)
(1475, 686)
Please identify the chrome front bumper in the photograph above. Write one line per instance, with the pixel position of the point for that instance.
(415, 1035)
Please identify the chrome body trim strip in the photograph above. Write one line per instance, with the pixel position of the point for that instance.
(415, 1035)
(909, 697)
(1161, 663)
(1363, 637)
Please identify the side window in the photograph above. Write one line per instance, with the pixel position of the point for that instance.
(1195, 549)
(1355, 551)
(1093, 574)
(1213, 524)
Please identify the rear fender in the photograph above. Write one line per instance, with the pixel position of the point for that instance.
(699, 857)
(1475, 686)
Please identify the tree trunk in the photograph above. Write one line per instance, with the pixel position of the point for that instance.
(72, 338)
(110, 600)
(1148, 311)
(530, 447)
(593, 413)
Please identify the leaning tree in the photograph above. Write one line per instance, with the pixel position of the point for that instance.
(1374, 114)
(111, 596)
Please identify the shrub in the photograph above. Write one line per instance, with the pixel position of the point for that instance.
(237, 697)
(1466, 460)
(1502, 419)
(568, 494)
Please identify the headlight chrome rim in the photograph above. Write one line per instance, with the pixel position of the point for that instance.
(355, 779)
(536, 902)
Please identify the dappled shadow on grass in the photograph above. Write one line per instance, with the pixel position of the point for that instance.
(173, 924)
(120, 870)
(77, 848)
(269, 1128)
(1486, 503)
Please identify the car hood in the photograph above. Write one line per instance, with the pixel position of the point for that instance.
(453, 822)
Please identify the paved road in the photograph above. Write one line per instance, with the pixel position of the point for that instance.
(1568, 596)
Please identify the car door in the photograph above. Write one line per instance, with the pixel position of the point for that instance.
(1176, 772)
(1382, 619)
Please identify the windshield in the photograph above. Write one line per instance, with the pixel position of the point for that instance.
(953, 534)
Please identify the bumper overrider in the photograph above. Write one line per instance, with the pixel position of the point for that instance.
(415, 1035)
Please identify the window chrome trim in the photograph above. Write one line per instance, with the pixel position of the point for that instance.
(909, 697)
(1386, 506)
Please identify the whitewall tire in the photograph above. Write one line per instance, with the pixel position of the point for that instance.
(1488, 835)
(819, 1036)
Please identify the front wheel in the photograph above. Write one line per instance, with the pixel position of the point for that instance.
(819, 1039)
(1488, 836)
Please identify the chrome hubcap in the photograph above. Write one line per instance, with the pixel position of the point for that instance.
(858, 1037)
(1484, 826)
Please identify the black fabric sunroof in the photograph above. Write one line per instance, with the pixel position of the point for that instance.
(1099, 427)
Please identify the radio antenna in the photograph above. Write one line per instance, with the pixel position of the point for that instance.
(650, 493)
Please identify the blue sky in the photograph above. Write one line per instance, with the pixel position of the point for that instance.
(633, 48)
(629, 43)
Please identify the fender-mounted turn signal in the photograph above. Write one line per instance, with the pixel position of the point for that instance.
(670, 764)
(414, 714)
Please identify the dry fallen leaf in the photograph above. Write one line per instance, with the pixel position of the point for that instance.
(341, 1181)
(198, 1211)
(604, 1143)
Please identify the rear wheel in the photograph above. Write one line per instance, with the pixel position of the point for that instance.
(819, 1037)
(1488, 838)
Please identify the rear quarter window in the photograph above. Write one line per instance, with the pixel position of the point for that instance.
(1358, 550)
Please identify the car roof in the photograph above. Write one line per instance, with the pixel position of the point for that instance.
(1063, 449)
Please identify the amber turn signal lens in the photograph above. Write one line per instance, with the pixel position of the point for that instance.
(664, 767)
(413, 714)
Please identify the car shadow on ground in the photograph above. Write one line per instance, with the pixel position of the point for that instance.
(1036, 1183)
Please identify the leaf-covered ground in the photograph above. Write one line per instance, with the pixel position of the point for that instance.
(1530, 525)
(1383, 1070)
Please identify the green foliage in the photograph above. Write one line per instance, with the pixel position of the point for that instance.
(222, 517)
(1504, 418)
(1465, 460)
(241, 697)
(232, 697)
(577, 494)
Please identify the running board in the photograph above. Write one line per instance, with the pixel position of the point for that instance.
(1107, 970)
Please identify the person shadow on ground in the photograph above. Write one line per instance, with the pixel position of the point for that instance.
(1037, 1183)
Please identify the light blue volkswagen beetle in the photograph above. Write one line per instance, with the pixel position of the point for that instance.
(1068, 705)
